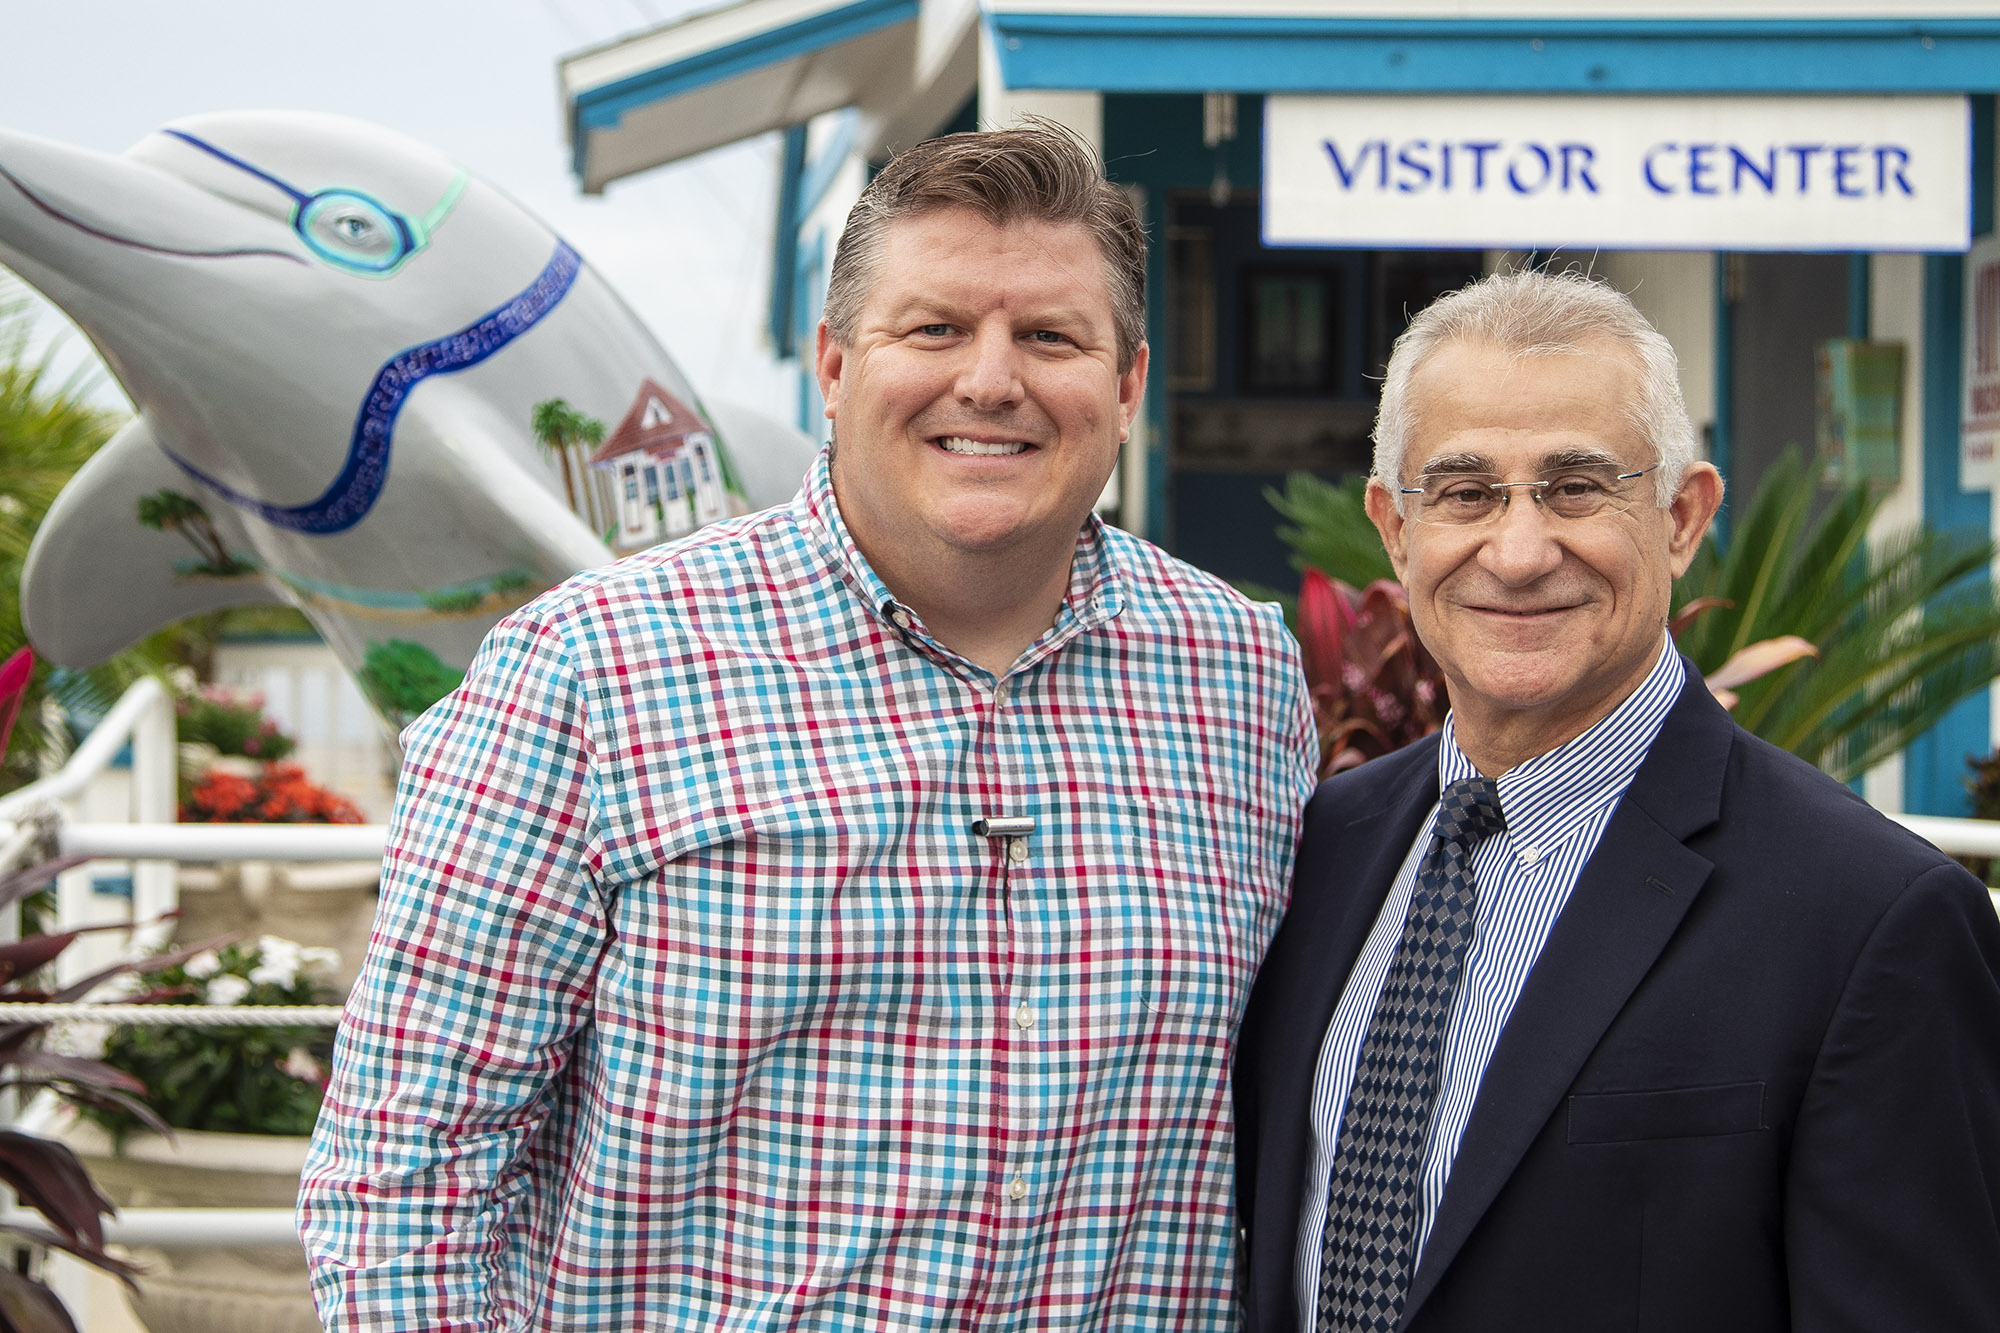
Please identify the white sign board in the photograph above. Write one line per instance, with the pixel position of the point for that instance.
(1652, 173)
(1979, 417)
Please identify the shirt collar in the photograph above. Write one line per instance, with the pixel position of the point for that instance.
(1552, 795)
(1095, 595)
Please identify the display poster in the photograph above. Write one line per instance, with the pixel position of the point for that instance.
(1651, 173)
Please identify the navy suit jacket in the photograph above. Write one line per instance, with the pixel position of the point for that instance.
(1752, 1083)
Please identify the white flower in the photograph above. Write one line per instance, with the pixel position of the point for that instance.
(320, 959)
(278, 962)
(183, 679)
(203, 965)
(301, 1065)
(226, 989)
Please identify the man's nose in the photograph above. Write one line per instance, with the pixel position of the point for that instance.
(1520, 544)
(990, 377)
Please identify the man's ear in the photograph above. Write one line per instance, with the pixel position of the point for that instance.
(829, 358)
(1132, 391)
(1388, 521)
(1691, 512)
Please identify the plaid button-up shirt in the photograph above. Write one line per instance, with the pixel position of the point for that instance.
(694, 1001)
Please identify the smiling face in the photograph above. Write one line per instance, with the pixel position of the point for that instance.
(979, 409)
(1542, 625)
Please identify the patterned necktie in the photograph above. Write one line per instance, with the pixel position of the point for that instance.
(1369, 1250)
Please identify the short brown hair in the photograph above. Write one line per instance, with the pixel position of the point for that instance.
(1039, 171)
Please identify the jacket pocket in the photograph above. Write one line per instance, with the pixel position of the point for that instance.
(1667, 1113)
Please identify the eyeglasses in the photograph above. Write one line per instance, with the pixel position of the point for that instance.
(1461, 499)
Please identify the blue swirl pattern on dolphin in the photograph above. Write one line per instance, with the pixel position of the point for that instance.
(354, 492)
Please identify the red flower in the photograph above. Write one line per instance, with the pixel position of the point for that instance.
(281, 794)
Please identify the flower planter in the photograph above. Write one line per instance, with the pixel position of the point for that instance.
(209, 1289)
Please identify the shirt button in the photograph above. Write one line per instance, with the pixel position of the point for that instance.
(1017, 1188)
(1531, 854)
(1024, 1017)
(901, 617)
(1017, 850)
(1000, 693)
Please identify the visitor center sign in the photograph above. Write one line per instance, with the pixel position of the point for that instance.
(1651, 173)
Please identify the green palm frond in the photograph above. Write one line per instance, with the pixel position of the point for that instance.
(1328, 528)
(48, 429)
(1905, 628)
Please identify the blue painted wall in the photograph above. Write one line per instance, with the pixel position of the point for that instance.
(1934, 770)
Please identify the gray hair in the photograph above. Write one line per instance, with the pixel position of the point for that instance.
(1039, 171)
(1536, 313)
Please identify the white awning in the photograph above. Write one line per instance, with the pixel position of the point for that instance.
(728, 74)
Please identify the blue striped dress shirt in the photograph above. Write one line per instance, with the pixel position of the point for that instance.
(1556, 805)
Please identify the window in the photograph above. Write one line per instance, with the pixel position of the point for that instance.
(1288, 325)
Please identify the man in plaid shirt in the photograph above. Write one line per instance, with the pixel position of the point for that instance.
(839, 919)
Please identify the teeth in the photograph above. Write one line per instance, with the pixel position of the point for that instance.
(954, 444)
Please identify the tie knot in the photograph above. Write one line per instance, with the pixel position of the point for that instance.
(1469, 810)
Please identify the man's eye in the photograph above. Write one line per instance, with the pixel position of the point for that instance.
(1575, 488)
(1047, 336)
(1464, 493)
(935, 330)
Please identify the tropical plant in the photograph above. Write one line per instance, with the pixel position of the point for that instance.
(1328, 528)
(1905, 627)
(44, 1173)
(559, 427)
(1374, 686)
(238, 1080)
(48, 429)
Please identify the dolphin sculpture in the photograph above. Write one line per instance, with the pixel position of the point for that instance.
(347, 355)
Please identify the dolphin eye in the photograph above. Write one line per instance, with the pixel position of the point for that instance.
(353, 231)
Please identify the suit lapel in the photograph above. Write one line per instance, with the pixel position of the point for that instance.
(1627, 904)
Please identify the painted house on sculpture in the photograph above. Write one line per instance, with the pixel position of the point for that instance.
(664, 469)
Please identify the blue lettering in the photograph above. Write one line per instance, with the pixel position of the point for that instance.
(1741, 165)
(1444, 166)
(1421, 169)
(1803, 154)
(1646, 165)
(1699, 167)
(1845, 169)
(1882, 177)
(1587, 156)
(1381, 147)
(1341, 169)
(1479, 152)
(1514, 173)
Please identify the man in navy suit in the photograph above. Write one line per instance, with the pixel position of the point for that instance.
(1643, 1023)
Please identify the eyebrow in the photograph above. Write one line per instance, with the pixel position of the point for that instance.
(1060, 318)
(1447, 465)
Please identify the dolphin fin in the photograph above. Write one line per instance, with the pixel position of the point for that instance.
(97, 580)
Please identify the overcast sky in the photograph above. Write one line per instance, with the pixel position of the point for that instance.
(685, 245)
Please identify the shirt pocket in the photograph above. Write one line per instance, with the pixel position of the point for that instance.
(1667, 1113)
